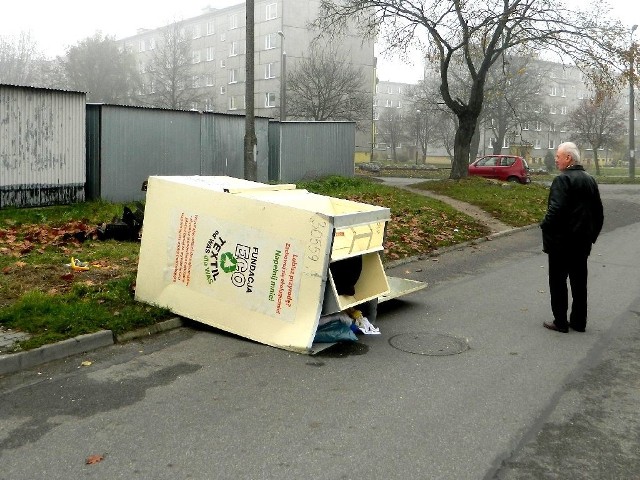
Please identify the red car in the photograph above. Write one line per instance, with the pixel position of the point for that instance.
(508, 168)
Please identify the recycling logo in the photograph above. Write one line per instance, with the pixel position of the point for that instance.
(228, 262)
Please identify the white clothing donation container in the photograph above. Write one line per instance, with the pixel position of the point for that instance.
(257, 260)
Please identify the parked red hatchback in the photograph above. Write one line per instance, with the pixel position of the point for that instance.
(508, 168)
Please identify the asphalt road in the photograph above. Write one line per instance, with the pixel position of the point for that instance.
(463, 383)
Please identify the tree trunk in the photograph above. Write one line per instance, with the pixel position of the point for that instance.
(475, 145)
(462, 144)
(250, 140)
(595, 161)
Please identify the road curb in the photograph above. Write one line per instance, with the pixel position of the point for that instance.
(22, 360)
(458, 246)
(151, 330)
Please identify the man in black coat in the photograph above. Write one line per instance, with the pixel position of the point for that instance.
(571, 225)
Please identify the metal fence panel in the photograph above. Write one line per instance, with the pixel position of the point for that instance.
(42, 146)
(312, 149)
(138, 142)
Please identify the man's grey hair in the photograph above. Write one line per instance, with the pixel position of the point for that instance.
(572, 149)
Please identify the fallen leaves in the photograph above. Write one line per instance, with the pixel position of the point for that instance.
(93, 459)
(21, 240)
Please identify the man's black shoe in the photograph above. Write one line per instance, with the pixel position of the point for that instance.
(554, 327)
(576, 329)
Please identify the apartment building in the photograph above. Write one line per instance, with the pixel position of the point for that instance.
(562, 88)
(282, 38)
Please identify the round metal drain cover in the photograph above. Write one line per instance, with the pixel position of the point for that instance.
(429, 343)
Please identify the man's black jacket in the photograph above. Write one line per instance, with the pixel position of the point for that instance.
(574, 213)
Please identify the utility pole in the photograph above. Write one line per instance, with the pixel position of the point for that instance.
(632, 113)
(283, 79)
(250, 140)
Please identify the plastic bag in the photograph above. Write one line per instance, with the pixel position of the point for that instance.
(334, 331)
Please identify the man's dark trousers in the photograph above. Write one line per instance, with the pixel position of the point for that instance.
(574, 266)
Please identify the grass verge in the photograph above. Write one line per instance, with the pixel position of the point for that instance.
(511, 203)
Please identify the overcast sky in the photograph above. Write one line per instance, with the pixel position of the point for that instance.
(57, 24)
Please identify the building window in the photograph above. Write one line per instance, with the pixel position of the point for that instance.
(538, 125)
(233, 49)
(553, 91)
(223, 89)
(233, 75)
(195, 81)
(525, 126)
(142, 46)
(152, 43)
(211, 27)
(563, 92)
(553, 110)
(270, 41)
(195, 56)
(232, 103)
(400, 90)
(208, 105)
(195, 33)
(399, 104)
(233, 21)
(551, 144)
(223, 63)
(272, 11)
(209, 80)
(210, 53)
(563, 110)
(376, 116)
(223, 37)
(269, 71)
(552, 127)
(269, 100)
(375, 102)
(536, 143)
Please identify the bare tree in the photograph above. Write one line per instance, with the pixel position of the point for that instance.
(326, 86)
(511, 98)
(392, 128)
(474, 36)
(172, 79)
(97, 66)
(20, 61)
(598, 121)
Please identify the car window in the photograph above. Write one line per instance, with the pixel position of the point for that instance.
(487, 162)
(507, 161)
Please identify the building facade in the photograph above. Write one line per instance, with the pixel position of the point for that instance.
(218, 54)
(561, 90)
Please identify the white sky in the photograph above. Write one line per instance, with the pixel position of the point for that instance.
(56, 25)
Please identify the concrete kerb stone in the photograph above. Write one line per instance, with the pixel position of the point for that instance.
(458, 246)
(22, 360)
(15, 362)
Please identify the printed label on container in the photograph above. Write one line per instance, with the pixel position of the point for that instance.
(237, 264)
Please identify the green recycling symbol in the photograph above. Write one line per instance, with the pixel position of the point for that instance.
(228, 262)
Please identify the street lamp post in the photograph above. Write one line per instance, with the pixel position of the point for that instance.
(417, 133)
(632, 140)
(283, 79)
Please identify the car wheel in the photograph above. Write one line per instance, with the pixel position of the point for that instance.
(512, 179)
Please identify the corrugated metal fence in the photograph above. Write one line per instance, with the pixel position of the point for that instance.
(42, 146)
(306, 150)
(50, 155)
(126, 145)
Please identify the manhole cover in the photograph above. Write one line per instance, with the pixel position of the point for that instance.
(429, 343)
